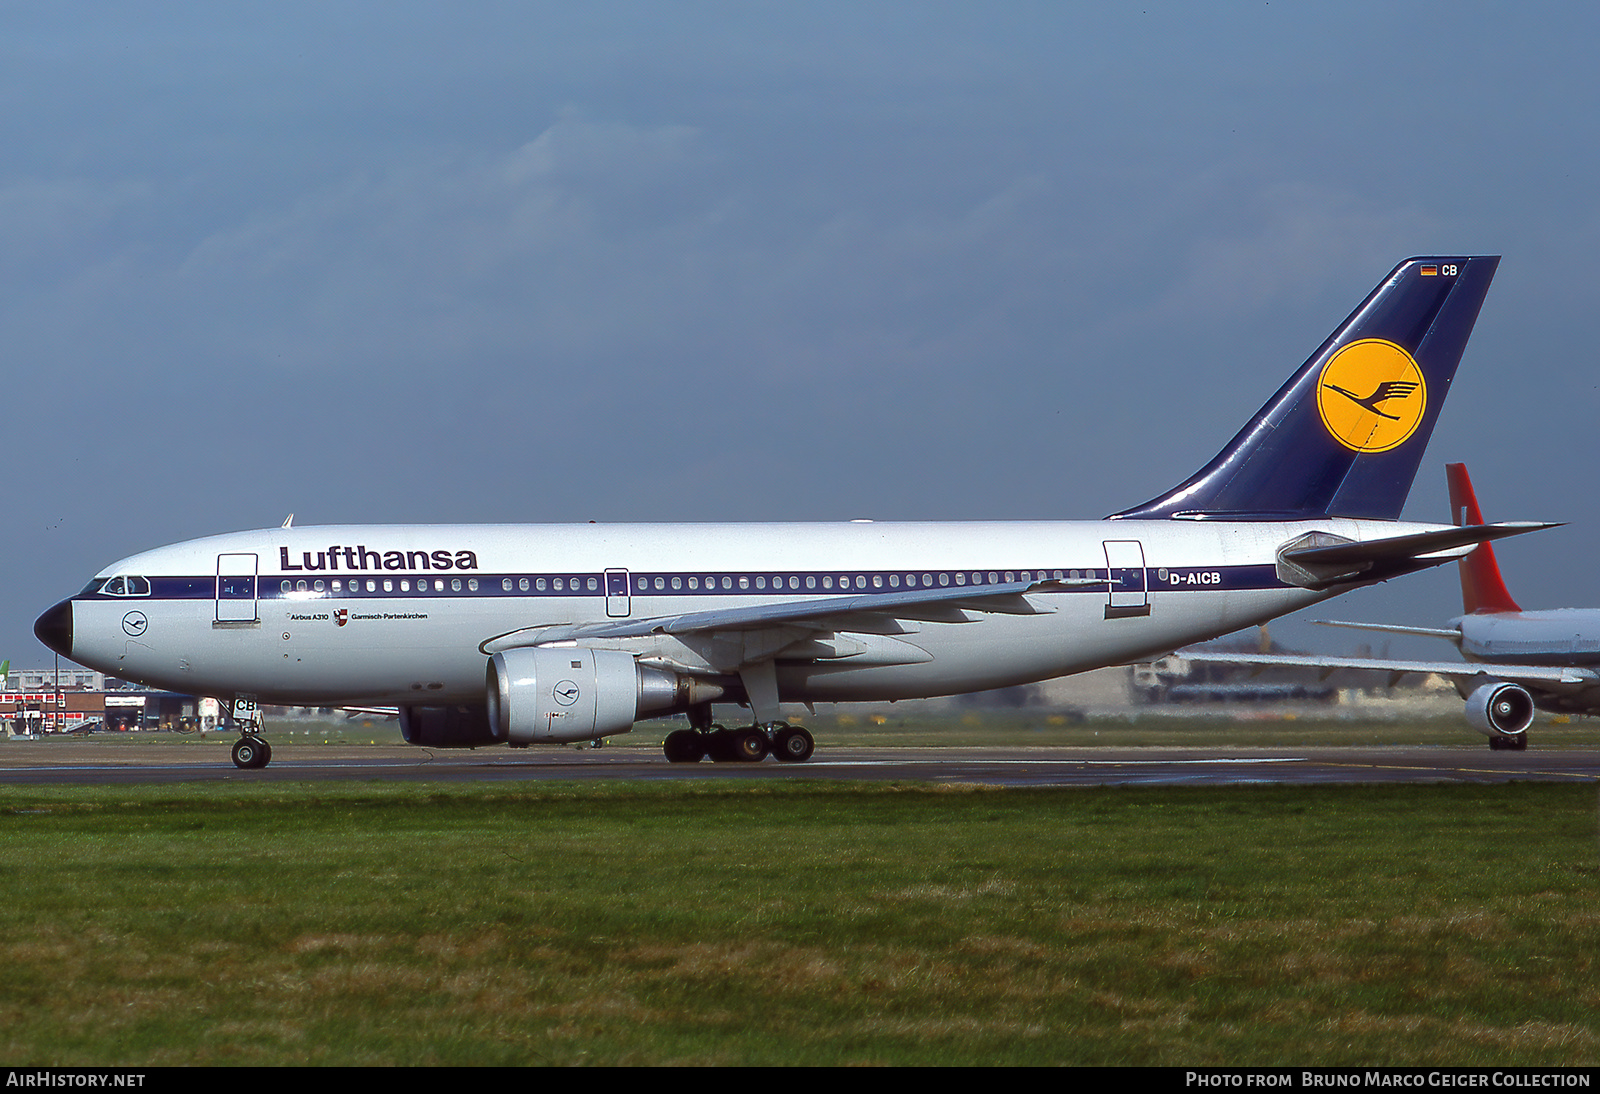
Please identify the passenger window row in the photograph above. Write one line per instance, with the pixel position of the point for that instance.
(659, 583)
(356, 586)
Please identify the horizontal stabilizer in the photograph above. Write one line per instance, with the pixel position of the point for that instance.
(1318, 560)
(1452, 633)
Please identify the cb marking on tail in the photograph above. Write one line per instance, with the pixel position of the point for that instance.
(1371, 396)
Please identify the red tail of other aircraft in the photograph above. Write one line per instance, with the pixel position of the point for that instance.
(1483, 590)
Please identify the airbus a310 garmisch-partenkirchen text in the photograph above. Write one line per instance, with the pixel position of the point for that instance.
(520, 634)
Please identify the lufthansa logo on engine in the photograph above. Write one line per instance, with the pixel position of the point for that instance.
(565, 693)
(1371, 396)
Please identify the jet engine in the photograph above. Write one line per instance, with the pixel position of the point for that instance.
(1500, 710)
(447, 727)
(568, 693)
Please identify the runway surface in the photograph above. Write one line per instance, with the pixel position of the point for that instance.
(92, 761)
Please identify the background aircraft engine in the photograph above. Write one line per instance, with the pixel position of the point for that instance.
(447, 727)
(1500, 710)
(573, 694)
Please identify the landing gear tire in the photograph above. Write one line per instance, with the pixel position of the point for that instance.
(684, 746)
(792, 745)
(749, 745)
(719, 745)
(251, 753)
(1519, 743)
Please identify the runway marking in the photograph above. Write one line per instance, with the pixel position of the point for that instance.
(1073, 762)
(1466, 770)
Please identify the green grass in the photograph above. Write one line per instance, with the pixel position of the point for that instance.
(797, 923)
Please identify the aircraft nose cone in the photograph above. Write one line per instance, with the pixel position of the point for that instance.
(54, 628)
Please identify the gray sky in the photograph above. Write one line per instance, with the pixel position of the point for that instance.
(750, 261)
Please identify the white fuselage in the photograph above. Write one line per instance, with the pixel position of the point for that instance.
(1560, 636)
(401, 614)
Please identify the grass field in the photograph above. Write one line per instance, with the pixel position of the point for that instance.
(796, 923)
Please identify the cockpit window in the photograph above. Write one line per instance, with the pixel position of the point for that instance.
(123, 585)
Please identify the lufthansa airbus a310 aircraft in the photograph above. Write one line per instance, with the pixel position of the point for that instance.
(521, 634)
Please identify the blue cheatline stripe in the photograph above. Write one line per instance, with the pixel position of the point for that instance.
(651, 583)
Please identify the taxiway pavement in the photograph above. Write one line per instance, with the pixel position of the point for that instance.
(91, 761)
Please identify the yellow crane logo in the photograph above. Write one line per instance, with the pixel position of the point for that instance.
(1371, 396)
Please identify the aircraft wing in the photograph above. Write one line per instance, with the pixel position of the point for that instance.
(1547, 678)
(878, 613)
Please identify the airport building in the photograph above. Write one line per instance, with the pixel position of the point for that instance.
(34, 701)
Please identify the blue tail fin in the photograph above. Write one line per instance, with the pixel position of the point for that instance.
(1345, 435)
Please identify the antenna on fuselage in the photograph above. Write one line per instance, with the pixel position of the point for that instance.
(288, 521)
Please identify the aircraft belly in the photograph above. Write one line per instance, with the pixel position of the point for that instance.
(1005, 651)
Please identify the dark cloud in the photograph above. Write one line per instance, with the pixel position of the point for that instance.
(710, 261)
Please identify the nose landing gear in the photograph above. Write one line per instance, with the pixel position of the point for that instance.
(250, 751)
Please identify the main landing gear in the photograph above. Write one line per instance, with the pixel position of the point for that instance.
(751, 744)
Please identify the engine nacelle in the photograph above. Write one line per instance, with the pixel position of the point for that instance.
(1500, 710)
(569, 693)
(447, 727)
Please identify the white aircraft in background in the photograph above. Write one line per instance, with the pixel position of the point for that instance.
(1516, 661)
(519, 634)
